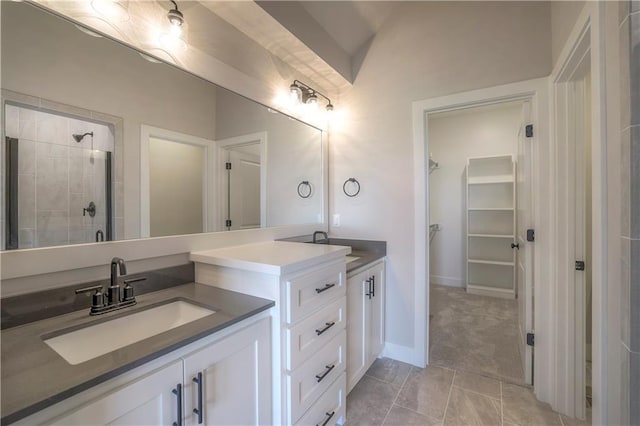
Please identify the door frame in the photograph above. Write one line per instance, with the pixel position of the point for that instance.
(146, 133)
(536, 91)
(222, 145)
(585, 43)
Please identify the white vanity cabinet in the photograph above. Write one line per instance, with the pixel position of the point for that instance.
(150, 400)
(236, 387)
(308, 283)
(365, 319)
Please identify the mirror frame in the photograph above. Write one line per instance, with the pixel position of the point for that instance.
(22, 263)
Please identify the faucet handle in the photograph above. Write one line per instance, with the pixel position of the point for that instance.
(128, 290)
(97, 299)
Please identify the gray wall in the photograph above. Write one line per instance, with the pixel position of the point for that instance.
(630, 218)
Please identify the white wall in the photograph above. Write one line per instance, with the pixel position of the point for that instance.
(454, 137)
(423, 50)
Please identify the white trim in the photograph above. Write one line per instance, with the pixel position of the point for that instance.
(446, 281)
(536, 90)
(587, 37)
(147, 132)
(398, 352)
(221, 145)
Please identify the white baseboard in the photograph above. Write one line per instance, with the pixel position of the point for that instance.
(446, 281)
(400, 353)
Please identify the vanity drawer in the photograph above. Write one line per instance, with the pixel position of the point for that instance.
(307, 293)
(314, 332)
(306, 383)
(330, 408)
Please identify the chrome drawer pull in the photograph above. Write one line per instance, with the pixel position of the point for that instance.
(329, 415)
(328, 326)
(325, 288)
(319, 377)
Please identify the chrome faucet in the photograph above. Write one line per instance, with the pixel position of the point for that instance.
(324, 234)
(113, 294)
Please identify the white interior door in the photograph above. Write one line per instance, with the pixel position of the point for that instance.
(525, 252)
(244, 190)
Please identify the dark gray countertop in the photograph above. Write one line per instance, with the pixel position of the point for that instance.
(366, 250)
(34, 376)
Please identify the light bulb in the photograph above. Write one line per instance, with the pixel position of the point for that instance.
(295, 93)
(172, 41)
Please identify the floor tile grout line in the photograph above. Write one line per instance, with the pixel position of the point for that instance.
(397, 395)
(446, 407)
(477, 393)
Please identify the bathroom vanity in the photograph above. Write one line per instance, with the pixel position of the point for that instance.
(225, 355)
(308, 284)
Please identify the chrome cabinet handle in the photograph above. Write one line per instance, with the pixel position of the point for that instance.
(319, 377)
(328, 326)
(368, 294)
(198, 410)
(329, 415)
(178, 393)
(325, 288)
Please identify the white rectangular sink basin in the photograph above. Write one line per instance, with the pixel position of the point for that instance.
(349, 259)
(90, 342)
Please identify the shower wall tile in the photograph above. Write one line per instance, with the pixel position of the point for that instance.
(27, 201)
(52, 180)
(76, 173)
(11, 121)
(52, 228)
(27, 124)
(26, 156)
(52, 128)
(46, 149)
(26, 238)
(78, 235)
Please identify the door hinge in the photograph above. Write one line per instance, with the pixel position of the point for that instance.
(531, 235)
(530, 338)
(528, 130)
(227, 223)
(228, 166)
(579, 265)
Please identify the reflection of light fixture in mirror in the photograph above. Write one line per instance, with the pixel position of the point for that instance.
(114, 10)
(175, 36)
(303, 93)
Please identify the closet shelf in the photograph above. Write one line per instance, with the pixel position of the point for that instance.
(482, 180)
(491, 236)
(491, 262)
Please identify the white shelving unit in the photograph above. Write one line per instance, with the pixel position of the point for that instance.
(491, 226)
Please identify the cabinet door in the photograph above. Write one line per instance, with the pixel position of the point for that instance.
(149, 400)
(235, 376)
(376, 315)
(357, 309)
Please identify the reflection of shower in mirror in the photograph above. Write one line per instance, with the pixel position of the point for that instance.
(78, 138)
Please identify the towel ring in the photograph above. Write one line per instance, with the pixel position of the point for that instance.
(344, 187)
(301, 186)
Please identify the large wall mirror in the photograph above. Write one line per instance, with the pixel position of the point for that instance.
(102, 142)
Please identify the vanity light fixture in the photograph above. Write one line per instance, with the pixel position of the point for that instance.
(113, 10)
(175, 35)
(303, 93)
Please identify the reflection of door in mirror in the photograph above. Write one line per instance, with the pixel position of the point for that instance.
(243, 187)
(242, 180)
(59, 179)
(177, 182)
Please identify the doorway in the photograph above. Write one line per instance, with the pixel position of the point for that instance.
(479, 263)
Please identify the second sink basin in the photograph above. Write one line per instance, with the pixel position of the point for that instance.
(90, 342)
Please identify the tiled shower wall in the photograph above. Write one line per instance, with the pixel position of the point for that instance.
(58, 177)
(630, 220)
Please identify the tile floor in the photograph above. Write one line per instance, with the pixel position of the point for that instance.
(466, 386)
